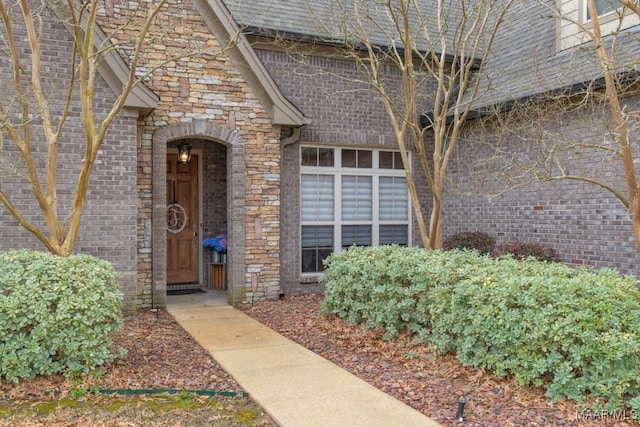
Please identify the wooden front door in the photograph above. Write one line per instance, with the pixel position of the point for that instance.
(183, 248)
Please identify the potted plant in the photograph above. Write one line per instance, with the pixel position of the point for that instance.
(218, 245)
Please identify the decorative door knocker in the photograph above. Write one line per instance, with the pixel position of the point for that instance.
(176, 214)
(176, 218)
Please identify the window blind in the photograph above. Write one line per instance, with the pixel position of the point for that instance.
(317, 198)
(394, 199)
(357, 198)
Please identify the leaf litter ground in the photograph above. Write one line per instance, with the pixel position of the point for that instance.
(424, 380)
(160, 355)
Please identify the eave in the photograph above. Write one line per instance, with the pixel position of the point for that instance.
(116, 72)
(230, 35)
(114, 69)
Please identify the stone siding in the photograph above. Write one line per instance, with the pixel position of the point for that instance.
(206, 87)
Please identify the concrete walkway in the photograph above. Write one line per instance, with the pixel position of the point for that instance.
(295, 386)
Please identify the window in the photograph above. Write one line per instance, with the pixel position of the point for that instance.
(317, 244)
(350, 197)
(390, 160)
(602, 6)
(356, 158)
(317, 197)
(357, 198)
(575, 19)
(317, 156)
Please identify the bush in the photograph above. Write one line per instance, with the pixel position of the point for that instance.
(575, 332)
(474, 240)
(56, 314)
(522, 250)
(387, 287)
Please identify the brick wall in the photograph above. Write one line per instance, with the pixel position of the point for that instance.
(585, 223)
(342, 113)
(109, 219)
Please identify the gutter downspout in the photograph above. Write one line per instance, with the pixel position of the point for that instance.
(294, 137)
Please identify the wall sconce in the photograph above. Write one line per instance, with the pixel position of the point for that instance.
(184, 153)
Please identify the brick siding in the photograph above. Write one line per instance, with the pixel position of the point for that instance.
(109, 219)
(585, 223)
(342, 113)
(251, 187)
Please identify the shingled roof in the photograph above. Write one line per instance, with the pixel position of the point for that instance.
(326, 20)
(524, 59)
(526, 62)
(287, 16)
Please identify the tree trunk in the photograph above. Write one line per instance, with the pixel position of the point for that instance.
(435, 223)
(634, 209)
(622, 127)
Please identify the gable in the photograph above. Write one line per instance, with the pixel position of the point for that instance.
(221, 23)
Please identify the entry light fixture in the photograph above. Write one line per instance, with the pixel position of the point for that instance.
(184, 153)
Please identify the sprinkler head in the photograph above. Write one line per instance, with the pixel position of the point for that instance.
(460, 412)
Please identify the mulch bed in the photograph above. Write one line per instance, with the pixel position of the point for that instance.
(160, 355)
(413, 374)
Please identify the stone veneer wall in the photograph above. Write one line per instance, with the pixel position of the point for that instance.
(109, 218)
(206, 93)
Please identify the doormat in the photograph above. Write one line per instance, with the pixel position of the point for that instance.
(184, 291)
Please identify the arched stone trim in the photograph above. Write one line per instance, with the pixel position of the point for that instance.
(235, 205)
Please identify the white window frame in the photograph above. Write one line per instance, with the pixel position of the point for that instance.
(338, 172)
(571, 26)
(585, 12)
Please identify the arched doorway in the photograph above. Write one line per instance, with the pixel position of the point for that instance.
(218, 169)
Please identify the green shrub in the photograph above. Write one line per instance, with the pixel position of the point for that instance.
(475, 240)
(386, 286)
(56, 314)
(522, 250)
(575, 332)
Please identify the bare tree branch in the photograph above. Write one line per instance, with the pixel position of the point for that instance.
(533, 140)
(90, 47)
